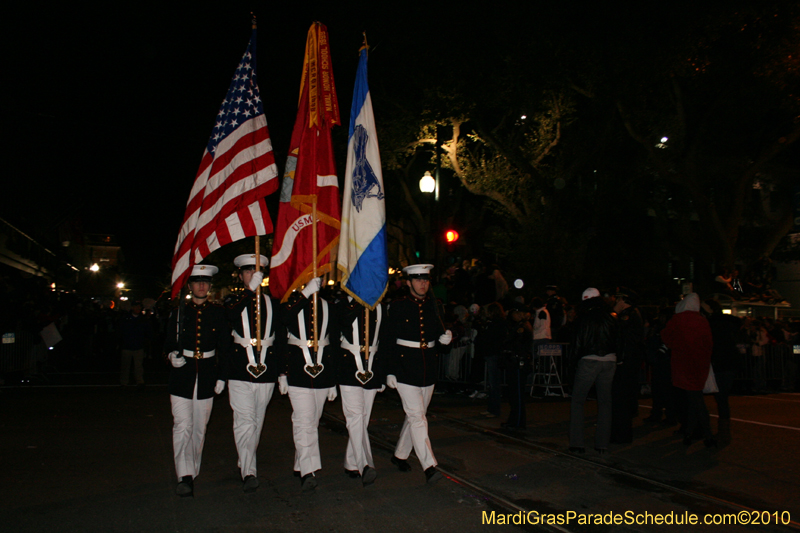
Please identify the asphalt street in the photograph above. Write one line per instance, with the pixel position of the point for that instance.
(99, 458)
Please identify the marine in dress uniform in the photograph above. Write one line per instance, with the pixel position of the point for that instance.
(308, 375)
(251, 373)
(198, 341)
(361, 377)
(413, 335)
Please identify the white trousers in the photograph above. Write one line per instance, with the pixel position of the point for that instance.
(415, 427)
(307, 407)
(357, 406)
(189, 421)
(249, 403)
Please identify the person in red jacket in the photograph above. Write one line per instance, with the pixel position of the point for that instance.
(688, 336)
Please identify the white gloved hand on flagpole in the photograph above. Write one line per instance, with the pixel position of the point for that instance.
(255, 281)
(312, 287)
(446, 337)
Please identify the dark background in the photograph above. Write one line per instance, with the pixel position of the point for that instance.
(106, 111)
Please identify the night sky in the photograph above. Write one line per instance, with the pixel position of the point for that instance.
(106, 111)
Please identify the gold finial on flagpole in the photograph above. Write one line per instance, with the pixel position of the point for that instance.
(364, 45)
(254, 19)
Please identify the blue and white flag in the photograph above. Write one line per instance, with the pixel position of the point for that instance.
(362, 245)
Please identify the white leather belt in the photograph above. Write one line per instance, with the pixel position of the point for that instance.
(294, 341)
(355, 349)
(199, 355)
(241, 341)
(412, 344)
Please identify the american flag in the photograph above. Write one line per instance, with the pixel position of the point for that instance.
(237, 171)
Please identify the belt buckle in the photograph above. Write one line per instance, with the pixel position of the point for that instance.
(253, 342)
(198, 355)
(423, 345)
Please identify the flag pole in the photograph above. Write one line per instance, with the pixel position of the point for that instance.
(366, 333)
(258, 296)
(314, 258)
(258, 267)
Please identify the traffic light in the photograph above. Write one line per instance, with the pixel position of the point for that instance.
(451, 236)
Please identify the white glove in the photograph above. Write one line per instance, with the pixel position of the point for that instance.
(283, 384)
(446, 337)
(312, 287)
(383, 388)
(391, 381)
(176, 359)
(331, 394)
(255, 281)
(220, 387)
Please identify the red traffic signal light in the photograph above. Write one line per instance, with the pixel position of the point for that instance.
(451, 236)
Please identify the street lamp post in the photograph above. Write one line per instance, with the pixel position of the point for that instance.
(428, 186)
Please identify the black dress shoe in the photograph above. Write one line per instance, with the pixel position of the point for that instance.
(308, 483)
(250, 483)
(353, 474)
(368, 477)
(432, 475)
(402, 464)
(577, 449)
(185, 488)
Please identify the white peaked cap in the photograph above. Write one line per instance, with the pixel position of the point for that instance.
(249, 260)
(418, 271)
(203, 271)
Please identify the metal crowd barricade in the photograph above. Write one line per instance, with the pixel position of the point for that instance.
(549, 366)
(16, 352)
(778, 364)
(456, 365)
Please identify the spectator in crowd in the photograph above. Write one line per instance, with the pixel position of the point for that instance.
(723, 282)
(485, 286)
(625, 388)
(135, 336)
(489, 343)
(658, 357)
(500, 285)
(541, 323)
(594, 356)
(760, 339)
(555, 307)
(725, 361)
(517, 362)
(688, 336)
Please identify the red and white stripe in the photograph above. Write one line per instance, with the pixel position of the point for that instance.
(227, 200)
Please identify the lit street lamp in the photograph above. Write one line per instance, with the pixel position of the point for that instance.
(427, 184)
